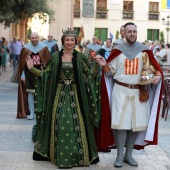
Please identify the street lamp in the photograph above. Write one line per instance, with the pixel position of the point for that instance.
(167, 23)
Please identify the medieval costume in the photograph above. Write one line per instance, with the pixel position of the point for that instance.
(91, 51)
(121, 108)
(52, 46)
(117, 42)
(40, 55)
(105, 51)
(66, 112)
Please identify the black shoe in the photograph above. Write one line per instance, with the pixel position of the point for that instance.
(37, 157)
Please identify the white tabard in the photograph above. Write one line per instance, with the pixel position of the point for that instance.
(127, 112)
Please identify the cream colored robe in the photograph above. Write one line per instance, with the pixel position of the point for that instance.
(127, 112)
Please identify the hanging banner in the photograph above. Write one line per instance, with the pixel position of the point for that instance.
(168, 4)
(165, 4)
(88, 9)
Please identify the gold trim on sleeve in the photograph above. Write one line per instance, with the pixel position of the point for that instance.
(36, 72)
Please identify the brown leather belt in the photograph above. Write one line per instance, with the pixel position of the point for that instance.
(131, 86)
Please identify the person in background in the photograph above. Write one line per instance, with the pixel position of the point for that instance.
(161, 54)
(119, 41)
(51, 44)
(26, 80)
(86, 43)
(152, 45)
(166, 63)
(92, 50)
(158, 59)
(156, 45)
(106, 49)
(15, 47)
(1, 53)
(5, 54)
(10, 54)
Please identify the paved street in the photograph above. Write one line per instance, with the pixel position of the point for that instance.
(16, 146)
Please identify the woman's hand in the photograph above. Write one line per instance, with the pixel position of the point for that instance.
(100, 60)
(29, 62)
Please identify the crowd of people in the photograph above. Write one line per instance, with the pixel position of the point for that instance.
(10, 51)
(161, 53)
(88, 98)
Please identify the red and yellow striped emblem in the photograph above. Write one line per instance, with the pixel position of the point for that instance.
(131, 66)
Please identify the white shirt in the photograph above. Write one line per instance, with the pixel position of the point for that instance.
(162, 53)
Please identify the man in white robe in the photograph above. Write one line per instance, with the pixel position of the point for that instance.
(134, 123)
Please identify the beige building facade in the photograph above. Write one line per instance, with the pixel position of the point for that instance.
(62, 19)
(110, 15)
(5, 32)
(105, 17)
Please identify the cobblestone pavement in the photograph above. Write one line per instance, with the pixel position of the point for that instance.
(16, 146)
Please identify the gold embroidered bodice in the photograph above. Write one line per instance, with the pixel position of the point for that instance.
(66, 71)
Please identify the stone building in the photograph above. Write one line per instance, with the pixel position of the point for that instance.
(62, 19)
(107, 16)
(102, 18)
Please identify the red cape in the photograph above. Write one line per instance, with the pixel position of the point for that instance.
(104, 134)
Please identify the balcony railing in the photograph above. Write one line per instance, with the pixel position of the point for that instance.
(76, 13)
(128, 10)
(153, 15)
(128, 14)
(101, 14)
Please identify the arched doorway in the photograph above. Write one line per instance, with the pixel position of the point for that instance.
(38, 23)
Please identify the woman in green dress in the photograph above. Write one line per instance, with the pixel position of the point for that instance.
(66, 101)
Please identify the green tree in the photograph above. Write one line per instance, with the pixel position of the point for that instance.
(162, 39)
(12, 11)
(29, 33)
(117, 35)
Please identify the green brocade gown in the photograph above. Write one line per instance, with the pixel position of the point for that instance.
(71, 142)
(70, 137)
